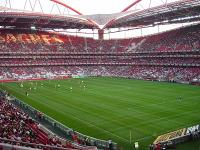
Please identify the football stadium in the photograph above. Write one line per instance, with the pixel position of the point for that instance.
(99, 75)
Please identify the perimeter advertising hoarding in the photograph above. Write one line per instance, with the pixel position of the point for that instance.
(170, 136)
(176, 135)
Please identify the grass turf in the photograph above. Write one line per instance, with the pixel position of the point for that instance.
(113, 108)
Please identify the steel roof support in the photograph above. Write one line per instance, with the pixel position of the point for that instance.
(67, 6)
(39, 4)
(26, 2)
(131, 5)
(149, 3)
(9, 3)
(74, 10)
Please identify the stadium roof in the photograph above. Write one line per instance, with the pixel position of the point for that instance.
(39, 16)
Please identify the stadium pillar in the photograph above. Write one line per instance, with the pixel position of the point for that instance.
(101, 34)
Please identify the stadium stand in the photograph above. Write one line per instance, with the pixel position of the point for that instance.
(169, 56)
(34, 54)
(18, 129)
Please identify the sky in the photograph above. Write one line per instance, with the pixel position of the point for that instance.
(88, 7)
(110, 6)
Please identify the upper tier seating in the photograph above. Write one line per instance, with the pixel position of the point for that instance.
(172, 55)
(184, 39)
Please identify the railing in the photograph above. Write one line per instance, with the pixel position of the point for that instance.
(91, 141)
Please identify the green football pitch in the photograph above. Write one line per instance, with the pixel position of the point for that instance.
(123, 110)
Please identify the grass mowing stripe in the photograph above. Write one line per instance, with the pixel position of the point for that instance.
(116, 105)
(73, 116)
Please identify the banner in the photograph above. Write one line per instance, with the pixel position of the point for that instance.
(179, 134)
(170, 136)
(30, 38)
